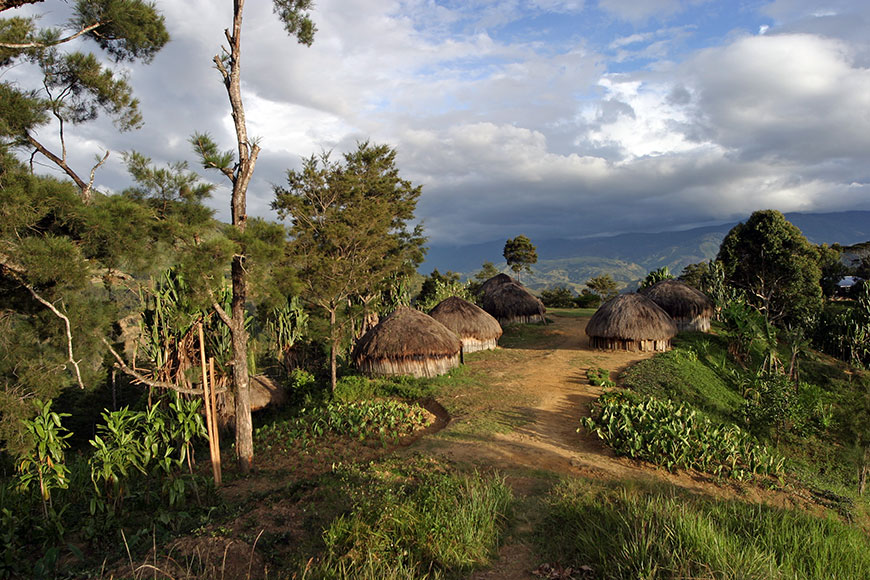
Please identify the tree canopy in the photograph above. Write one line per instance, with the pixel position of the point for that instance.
(520, 254)
(604, 285)
(76, 86)
(351, 227)
(773, 262)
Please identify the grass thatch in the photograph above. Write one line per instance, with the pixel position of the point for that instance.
(494, 282)
(510, 303)
(631, 322)
(690, 308)
(407, 342)
(477, 329)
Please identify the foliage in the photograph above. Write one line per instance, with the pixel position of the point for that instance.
(437, 524)
(55, 250)
(384, 420)
(587, 299)
(655, 276)
(599, 377)
(437, 287)
(744, 325)
(675, 436)
(76, 86)
(775, 405)
(520, 254)
(285, 326)
(558, 297)
(173, 190)
(692, 274)
(831, 267)
(843, 330)
(627, 531)
(44, 464)
(350, 229)
(773, 262)
(604, 285)
(152, 443)
(360, 388)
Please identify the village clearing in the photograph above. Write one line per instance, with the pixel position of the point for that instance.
(513, 412)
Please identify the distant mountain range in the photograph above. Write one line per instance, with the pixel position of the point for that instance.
(628, 257)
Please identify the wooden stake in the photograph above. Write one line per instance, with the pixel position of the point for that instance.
(208, 409)
(214, 424)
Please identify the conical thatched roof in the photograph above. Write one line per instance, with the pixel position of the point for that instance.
(510, 303)
(476, 328)
(495, 281)
(407, 342)
(631, 322)
(691, 309)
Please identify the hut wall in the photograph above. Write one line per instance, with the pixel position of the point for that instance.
(606, 343)
(528, 319)
(414, 366)
(700, 323)
(474, 344)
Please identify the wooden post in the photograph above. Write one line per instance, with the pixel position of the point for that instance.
(216, 462)
(214, 450)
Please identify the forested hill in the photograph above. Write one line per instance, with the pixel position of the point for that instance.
(628, 257)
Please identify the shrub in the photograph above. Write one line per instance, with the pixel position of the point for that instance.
(599, 377)
(675, 436)
(558, 297)
(361, 419)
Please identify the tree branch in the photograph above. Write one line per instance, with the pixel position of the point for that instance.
(58, 313)
(23, 45)
(60, 163)
(145, 380)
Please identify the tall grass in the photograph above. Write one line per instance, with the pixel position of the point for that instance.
(645, 534)
(442, 525)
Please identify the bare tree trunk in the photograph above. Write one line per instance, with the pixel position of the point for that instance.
(333, 347)
(241, 380)
(240, 177)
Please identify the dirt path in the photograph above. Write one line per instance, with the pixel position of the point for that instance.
(547, 388)
(552, 378)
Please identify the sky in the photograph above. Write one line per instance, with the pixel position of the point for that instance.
(548, 118)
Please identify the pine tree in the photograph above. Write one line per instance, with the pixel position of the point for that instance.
(350, 229)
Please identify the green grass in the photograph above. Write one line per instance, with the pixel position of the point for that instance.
(572, 312)
(629, 531)
(431, 525)
(689, 374)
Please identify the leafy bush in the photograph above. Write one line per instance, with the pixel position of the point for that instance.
(558, 297)
(775, 405)
(361, 419)
(599, 377)
(587, 299)
(675, 436)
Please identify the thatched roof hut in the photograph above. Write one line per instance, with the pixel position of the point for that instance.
(631, 322)
(494, 282)
(407, 342)
(691, 309)
(473, 325)
(510, 303)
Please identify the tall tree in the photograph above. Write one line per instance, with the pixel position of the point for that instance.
(238, 168)
(604, 285)
(520, 254)
(76, 87)
(350, 228)
(773, 262)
